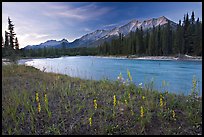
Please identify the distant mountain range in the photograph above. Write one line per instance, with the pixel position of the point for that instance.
(99, 36)
(49, 43)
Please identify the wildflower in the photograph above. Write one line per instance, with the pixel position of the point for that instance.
(164, 103)
(126, 102)
(161, 101)
(129, 95)
(129, 75)
(46, 100)
(143, 97)
(39, 107)
(140, 85)
(95, 104)
(141, 112)
(90, 121)
(114, 100)
(37, 97)
(173, 114)
(132, 112)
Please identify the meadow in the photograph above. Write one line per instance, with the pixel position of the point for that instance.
(36, 102)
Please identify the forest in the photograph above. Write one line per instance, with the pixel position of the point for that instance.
(186, 38)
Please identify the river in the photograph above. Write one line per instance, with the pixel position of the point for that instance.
(177, 74)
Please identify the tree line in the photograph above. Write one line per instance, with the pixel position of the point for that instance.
(57, 52)
(186, 38)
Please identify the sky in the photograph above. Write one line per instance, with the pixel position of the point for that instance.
(37, 22)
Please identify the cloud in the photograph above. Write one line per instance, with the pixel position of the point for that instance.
(34, 38)
(35, 35)
(81, 13)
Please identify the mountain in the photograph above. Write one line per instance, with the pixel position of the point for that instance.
(49, 43)
(99, 36)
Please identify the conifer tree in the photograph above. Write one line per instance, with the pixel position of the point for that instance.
(192, 18)
(11, 33)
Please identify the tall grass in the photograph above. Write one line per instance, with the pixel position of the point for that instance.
(74, 106)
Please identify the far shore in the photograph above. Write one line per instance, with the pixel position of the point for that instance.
(182, 57)
(179, 58)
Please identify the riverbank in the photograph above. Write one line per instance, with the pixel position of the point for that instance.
(178, 57)
(35, 102)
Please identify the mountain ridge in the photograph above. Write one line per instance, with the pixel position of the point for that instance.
(99, 36)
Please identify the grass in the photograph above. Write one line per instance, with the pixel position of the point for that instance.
(65, 105)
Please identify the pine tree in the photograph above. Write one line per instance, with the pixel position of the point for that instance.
(198, 38)
(11, 33)
(131, 43)
(169, 37)
(185, 27)
(187, 23)
(164, 41)
(192, 18)
(137, 42)
(158, 41)
(146, 42)
(177, 39)
(151, 43)
(180, 37)
(140, 44)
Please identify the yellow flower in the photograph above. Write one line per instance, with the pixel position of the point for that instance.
(90, 121)
(173, 114)
(143, 97)
(37, 97)
(129, 95)
(95, 104)
(126, 102)
(141, 112)
(161, 101)
(114, 100)
(132, 112)
(46, 100)
(39, 107)
(129, 75)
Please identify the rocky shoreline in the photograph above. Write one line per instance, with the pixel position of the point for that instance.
(178, 57)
